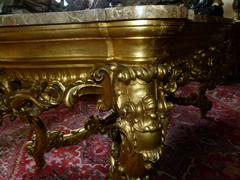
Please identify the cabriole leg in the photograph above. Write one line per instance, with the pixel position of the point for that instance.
(140, 101)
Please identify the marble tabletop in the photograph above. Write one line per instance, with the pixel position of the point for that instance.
(108, 14)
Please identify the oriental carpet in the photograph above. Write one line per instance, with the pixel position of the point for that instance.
(196, 149)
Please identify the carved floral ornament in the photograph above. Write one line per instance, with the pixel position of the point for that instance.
(138, 94)
(139, 97)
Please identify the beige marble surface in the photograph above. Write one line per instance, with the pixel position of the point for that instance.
(100, 15)
(93, 15)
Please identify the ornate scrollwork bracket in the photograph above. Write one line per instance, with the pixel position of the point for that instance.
(27, 99)
(207, 66)
(143, 95)
(93, 125)
(140, 96)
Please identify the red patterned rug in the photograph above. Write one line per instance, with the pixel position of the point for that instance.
(196, 149)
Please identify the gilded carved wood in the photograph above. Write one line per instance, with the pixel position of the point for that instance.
(134, 68)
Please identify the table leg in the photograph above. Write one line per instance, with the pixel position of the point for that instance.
(140, 100)
(37, 146)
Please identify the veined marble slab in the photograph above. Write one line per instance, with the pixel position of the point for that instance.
(102, 15)
(96, 15)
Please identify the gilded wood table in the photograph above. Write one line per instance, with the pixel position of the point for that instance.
(133, 58)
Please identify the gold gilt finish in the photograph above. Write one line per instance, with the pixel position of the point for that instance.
(125, 63)
(52, 46)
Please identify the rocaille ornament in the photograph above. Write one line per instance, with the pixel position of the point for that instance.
(133, 66)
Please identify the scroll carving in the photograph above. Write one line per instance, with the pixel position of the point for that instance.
(207, 66)
(28, 98)
(142, 106)
(139, 97)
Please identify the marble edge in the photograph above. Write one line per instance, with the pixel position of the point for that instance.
(96, 15)
(108, 14)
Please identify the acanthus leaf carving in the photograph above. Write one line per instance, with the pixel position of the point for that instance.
(104, 76)
(78, 89)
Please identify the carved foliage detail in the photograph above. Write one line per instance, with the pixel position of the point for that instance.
(19, 95)
(143, 108)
